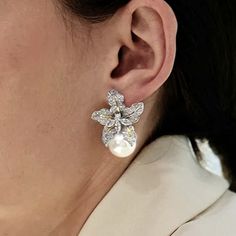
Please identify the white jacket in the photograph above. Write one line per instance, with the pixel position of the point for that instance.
(165, 191)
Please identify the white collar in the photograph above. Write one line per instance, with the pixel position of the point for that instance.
(163, 188)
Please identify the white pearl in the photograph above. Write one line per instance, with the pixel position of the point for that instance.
(120, 147)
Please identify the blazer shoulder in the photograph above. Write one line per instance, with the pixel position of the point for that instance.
(217, 220)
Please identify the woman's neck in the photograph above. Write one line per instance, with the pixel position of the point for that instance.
(58, 202)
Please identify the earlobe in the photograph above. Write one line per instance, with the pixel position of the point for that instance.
(147, 60)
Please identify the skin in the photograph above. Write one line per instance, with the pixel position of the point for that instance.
(54, 72)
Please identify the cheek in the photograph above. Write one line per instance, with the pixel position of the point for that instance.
(31, 42)
(24, 36)
(44, 74)
(43, 97)
(29, 47)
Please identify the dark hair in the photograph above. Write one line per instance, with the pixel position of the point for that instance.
(200, 95)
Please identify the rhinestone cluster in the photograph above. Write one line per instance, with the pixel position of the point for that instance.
(118, 119)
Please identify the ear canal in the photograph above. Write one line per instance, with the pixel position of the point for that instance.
(142, 57)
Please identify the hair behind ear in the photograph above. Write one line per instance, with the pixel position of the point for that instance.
(200, 96)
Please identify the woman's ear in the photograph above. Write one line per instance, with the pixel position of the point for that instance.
(147, 37)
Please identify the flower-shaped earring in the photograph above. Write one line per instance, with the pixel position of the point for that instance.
(118, 132)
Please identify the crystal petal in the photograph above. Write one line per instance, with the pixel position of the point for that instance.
(118, 126)
(125, 122)
(134, 112)
(117, 109)
(102, 116)
(129, 134)
(110, 123)
(108, 134)
(115, 98)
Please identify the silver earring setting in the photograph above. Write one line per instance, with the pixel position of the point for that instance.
(118, 133)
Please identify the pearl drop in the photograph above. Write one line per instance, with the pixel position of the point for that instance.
(120, 147)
